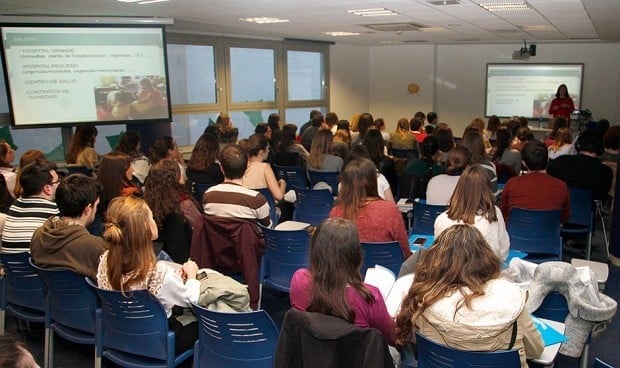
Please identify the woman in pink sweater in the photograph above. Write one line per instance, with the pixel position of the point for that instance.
(358, 200)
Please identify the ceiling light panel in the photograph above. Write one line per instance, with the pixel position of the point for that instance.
(340, 34)
(372, 12)
(264, 20)
(507, 6)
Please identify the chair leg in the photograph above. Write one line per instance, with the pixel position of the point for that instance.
(2, 317)
(589, 246)
(583, 362)
(599, 212)
(48, 354)
(97, 361)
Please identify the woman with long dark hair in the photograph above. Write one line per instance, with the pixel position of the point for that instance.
(440, 187)
(459, 300)
(374, 143)
(203, 166)
(130, 143)
(81, 150)
(259, 174)
(289, 152)
(473, 203)
(562, 105)
(504, 153)
(419, 172)
(333, 285)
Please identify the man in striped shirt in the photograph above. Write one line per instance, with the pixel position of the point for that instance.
(230, 199)
(39, 181)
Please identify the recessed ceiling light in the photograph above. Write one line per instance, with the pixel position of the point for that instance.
(264, 20)
(542, 27)
(432, 29)
(508, 6)
(128, 1)
(338, 34)
(151, 1)
(372, 12)
(390, 42)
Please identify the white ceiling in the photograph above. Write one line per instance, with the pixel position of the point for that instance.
(562, 20)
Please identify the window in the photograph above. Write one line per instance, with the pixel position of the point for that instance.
(301, 115)
(108, 137)
(191, 69)
(187, 128)
(306, 80)
(252, 74)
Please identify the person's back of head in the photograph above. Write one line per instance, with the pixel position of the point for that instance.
(75, 193)
(429, 148)
(161, 147)
(255, 144)
(14, 354)
(472, 140)
(524, 134)
(317, 119)
(535, 155)
(84, 136)
(213, 130)
(493, 123)
(445, 138)
(591, 142)
(458, 159)
(358, 182)
(419, 116)
(129, 143)
(373, 140)
(344, 124)
(289, 133)
(34, 177)
(602, 127)
(611, 139)
(314, 112)
(432, 117)
(415, 125)
(261, 128)
(234, 161)
(478, 123)
(274, 121)
(365, 122)
(331, 119)
(204, 153)
(473, 196)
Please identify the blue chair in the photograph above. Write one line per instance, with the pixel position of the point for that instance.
(286, 251)
(199, 190)
(295, 176)
(601, 364)
(405, 153)
(424, 216)
(23, 291)
(537, 233)
(235, 340)
(312, 206)
(581, 219)
(386, 254)
(132, 330)
(79, 169)
(273, 213)
(434, 355)
(331, 178)
(71, 309)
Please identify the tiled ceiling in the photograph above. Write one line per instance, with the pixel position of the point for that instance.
(458, 21)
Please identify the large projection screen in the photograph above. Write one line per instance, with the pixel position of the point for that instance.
(71, 74)
(527, 89)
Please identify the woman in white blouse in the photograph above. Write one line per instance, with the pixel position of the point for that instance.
(473, 203)
(130, 264)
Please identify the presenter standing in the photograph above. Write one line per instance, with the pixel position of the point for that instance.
(562, 105)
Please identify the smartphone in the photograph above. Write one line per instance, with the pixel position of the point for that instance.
(419, 241)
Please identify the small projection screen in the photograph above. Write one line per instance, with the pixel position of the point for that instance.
(527, 89)
(70, 74)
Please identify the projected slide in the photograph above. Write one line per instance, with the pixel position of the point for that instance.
(59, 75)
(527, 89)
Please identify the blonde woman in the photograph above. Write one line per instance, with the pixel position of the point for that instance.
(320, 157)
(402, 137)
(563, 144)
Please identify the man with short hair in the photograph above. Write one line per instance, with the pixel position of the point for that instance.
(585, 169)
(230, 198)
(318, 123)
(308, 123)
(535, 190)
(63, 241)
(39, 181)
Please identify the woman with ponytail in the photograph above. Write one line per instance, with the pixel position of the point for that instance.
(130, 264)
(332, 285)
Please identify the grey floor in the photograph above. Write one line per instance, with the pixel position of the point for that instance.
(605, 346)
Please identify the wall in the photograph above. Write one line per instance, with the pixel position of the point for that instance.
(453, 82)
(349, 79)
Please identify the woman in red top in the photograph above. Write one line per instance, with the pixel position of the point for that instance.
(358, 200)
(562, 105)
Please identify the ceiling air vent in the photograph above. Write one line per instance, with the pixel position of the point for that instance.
(395, 27)
(444, 2)
(415, 41)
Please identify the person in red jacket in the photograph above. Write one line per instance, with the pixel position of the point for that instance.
(562, 105)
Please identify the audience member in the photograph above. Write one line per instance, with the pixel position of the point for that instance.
(418, 116)
(504, 153)
(376, 148)
(331, 119)
(39, 181)
(365, 123)
(584, 170)
(332, 284)
(15, 354)
(472, 140)
(380, 125)
(130, 264)
(81, 150)
(440, 187)
(558, 123)
(611, 143)
(417, 129)
(493, 125)
(173, 208)
(524, 135)
(289, 152)
(308, 124)
(445, 138)
(130, 143)
(307, 136)
(26, 158)
(402, 137)
(115, 174)
(166, 147)
(231, 199)
(273, 121)
(563, 144)
(259, 174)
(418, 172)
(432, 118)
(473, 203)
(459, 299)
(320, 158)
(342, 144)
(7, 155)
(481, 126)
(203, 166)
(535, 190)
(63, 241)
(383, 187)
(358, 200)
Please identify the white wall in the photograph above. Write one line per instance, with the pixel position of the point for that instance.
(349, 79)
(452, 78)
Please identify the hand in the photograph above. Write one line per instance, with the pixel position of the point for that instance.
(190, 269)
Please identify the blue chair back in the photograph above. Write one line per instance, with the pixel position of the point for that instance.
(273, 214)
(133, 330)
(601, 364)
(405, 153)
(424, 216)
(331, 178)
(386, 254)
(78, 169)
(554, 307)
(199, 190)
(581, 211)
(286, 251)
(312, 206)
(537, 233)
(295, 176)
(235, 340)
(24, 293)
(72, 304)
(434, 355)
